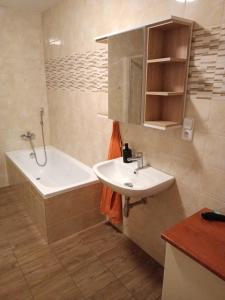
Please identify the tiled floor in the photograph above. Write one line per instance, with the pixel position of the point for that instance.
(97, 264)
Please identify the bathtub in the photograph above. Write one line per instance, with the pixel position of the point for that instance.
(62, 172)
(62, 198)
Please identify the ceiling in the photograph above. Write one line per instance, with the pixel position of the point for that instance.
(38, 5)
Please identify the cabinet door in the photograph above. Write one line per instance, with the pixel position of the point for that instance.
(126, 56)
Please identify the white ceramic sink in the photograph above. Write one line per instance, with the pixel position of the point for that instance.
(121, 178)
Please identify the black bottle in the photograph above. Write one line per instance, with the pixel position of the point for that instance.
(127, 153)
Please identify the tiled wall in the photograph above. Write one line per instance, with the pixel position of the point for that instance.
(22, 81)
(199, 167)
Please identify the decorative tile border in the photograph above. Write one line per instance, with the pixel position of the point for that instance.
(207, 63)
(89, 71)
(85, 72)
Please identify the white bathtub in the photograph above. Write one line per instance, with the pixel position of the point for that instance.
(62, 172)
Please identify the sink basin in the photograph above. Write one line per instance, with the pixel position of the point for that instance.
(121, 178)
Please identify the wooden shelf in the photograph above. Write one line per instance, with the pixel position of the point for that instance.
(100, 115)
(166, 60)
(165, 93)
(170, 24)
(168, 53)
(163, 125)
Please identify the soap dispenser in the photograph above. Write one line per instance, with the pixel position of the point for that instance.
(127, 153)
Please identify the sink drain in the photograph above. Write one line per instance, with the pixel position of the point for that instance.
(38, 178)
(129, 184)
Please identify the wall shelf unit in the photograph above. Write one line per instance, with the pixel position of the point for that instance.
(156, 90)
(167, 61)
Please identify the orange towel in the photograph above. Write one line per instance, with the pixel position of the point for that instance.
(111, 202)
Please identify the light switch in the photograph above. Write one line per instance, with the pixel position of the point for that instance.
(188, 128)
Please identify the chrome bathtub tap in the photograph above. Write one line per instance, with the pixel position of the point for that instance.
(28, 136)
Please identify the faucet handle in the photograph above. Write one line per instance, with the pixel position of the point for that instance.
(139, 154)
(23, 136)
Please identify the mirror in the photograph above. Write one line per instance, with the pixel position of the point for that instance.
(125, 70)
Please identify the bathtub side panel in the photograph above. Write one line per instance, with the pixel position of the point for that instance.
(73, 211)
(25, 192)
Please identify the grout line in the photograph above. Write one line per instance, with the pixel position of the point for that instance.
(21, 270)
(65, 270)
(9, 243)
(99, 258)
(118, 279)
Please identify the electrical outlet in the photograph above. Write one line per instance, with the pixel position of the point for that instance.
(188, 128)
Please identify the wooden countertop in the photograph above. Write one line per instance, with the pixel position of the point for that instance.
(202, 240)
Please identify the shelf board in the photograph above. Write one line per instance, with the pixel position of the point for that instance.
(163, 125)
(170, 24)
(166, 60)
(158, 93)
(102, 115)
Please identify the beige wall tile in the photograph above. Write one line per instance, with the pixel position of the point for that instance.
(22, 80)
(216, 117)
(73, 225)
(73, 203)
(206, 200)
(199, 109)
(213, 183)
(214, 152)
(223, 16)
(199, 9)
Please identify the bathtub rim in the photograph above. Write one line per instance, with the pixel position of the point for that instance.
(49, 191)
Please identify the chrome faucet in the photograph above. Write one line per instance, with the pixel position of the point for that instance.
(28, 136)
(139, 159)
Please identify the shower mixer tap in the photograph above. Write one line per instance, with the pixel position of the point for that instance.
(28, 136)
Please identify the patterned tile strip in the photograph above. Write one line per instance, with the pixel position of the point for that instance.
(85, 72)
(89, 71)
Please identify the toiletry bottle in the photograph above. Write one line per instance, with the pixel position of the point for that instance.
(127, 153)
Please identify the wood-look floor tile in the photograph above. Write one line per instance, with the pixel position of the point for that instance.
(4, 243)
(33, 255)
(125, 257)
(144, 282)
(92, 277)
(13, 286)
(72, 253)
(60, 287)
(120, 261)
(41, 269)
(113, 291)
(101, 238)
(7, 196)
(7, 260)
(16, 222)
(26, 240)
(85, 265)
(8, 210)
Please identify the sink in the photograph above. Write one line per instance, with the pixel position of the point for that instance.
(122, 179)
